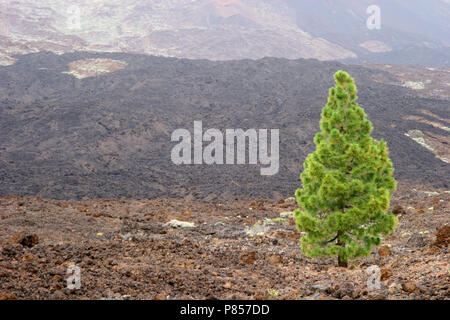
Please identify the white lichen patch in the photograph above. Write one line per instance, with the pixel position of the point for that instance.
(287, 214)
(180, 224)
(414, 85)
(432, 123)
(6, 60)
(258, 229)
(419, 137)
(375, 46)
(268, 221)
(431, 193)
(94, 67)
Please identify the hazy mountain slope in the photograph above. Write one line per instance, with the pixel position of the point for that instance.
(194, 29)
(109, 135)
(411, 32)
(225, 29)
(402, 22)
(414, 55)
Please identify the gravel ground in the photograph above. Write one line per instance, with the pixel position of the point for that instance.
(126, 249)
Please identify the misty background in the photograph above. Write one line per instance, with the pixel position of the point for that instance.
(408, 32)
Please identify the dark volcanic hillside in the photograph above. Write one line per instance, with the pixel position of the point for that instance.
(109, 135)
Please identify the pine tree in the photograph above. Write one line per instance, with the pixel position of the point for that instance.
(346, 182)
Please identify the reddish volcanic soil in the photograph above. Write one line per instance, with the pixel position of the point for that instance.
(125, 250)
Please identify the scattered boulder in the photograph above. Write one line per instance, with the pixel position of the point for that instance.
(384, 251)
(398, 210)
(409, 286)
(249, 257)
(26, 240)
(385, 274)
(443, 236)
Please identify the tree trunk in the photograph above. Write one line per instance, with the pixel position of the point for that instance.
(341, 262)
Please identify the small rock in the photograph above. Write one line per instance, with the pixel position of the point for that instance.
(189, 197)
(248, 258)
(416, 241)
(317, 296)
(260, 296)
(59, 295)
(7, 296)
(318, 287)
(154, 228)
(26, 240)
(346, 290)
(235, 297)
(377, 294)
(397, 210)
(277, 196)
(159, 296)
(11, 250)
(384, 251)
(210, 197)
(27, 257)
(274, 259)
(395, 288)
(356, 293)
(425, 290)
(226, 196)
(386, 273)
(443, 236)
(409, 286)
(227, 285)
